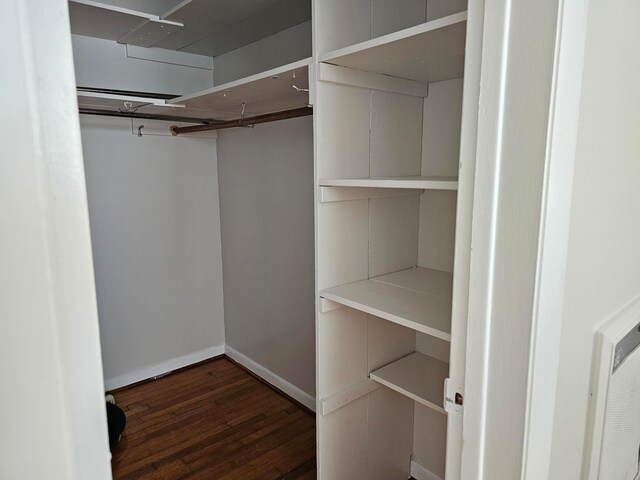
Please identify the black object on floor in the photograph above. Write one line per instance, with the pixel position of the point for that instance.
(116, 421)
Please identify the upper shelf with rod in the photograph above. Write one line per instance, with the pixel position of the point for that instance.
(277, 91)
(280, 89)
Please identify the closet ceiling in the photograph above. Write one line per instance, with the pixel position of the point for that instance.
(204, 27)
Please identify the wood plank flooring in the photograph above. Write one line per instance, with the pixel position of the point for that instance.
(213, 421)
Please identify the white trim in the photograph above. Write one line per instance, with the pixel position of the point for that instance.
(347, 395)
(421, 473)
(554, 238)
(375, 81)
(162, 368)
(270, 377)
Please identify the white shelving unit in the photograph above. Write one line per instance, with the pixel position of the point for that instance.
(417, 182)
(388, 128)
(417, 376)
(429, 52)
(417, 298)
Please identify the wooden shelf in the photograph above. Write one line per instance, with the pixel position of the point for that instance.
(430, 52)
(417, 298)
(266, 92)
(424, 183)
(417, 376)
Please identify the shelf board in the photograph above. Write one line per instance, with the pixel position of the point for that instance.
(417, 376)
(266, 92)
(101, 20)
(417, 298)
(423, 183)
(430, 52)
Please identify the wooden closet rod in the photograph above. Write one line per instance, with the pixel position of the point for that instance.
(245, 122)
(144, 116)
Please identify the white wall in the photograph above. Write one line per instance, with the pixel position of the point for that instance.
(284, 47)
(153, 204)
(106, 64)
(52, 411)
(266, 202)
(603, 264)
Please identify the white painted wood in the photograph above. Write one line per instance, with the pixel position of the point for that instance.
(275, 380)
(326, 306)
(266, 92)
(518, 49)
(102, 20)
(343, 441)
(421, 473)
(430, 438)
(373, 81)
(344, 397)
(342, 135)
(419, 310)
(441, 128)
(387, 342)
(345, 194)
(396, 134)
(437, 230)
(53, 421)
(389, 442)
(464, 212)
(430, 52)
(434, 282)
(339, 23)
(413, 182)
(162, 368)
(388, 16)
(343, 361)
(443, 8)
(393, 234)
(417, 376)
(434, 347)
(343, 252)
(554, 239)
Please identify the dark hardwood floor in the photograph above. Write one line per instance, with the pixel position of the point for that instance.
(213, 421)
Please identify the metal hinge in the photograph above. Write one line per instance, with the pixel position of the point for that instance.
(453, 396)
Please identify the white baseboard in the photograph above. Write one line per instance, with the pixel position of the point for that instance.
(161, 368)
(278, 382)
(421, 473)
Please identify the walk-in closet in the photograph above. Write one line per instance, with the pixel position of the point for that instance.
(286, 183)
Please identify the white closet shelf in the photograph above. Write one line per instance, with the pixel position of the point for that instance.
(417, 376)
(266, 92)
(417, 298)
(102, 20)
(429, 52)
(417, 182)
